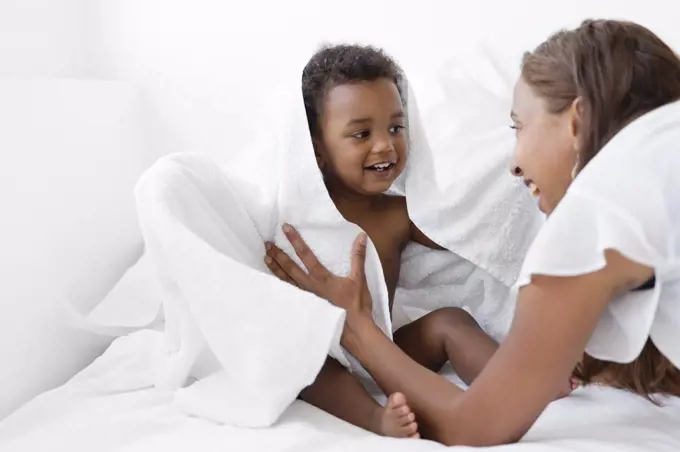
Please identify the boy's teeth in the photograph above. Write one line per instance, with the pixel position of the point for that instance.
(380, 166)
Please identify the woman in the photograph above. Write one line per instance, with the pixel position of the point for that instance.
(610, 250)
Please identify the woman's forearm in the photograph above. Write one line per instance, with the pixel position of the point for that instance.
(553, 320)
(488, 414)
(431, 396)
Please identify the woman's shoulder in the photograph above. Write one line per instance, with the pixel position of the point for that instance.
(634, 180)
(644, 153)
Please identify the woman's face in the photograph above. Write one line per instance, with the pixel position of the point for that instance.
(545, 152)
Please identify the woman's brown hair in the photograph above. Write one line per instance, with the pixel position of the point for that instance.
(619, 71)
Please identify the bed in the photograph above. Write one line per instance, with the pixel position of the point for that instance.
(111, 406)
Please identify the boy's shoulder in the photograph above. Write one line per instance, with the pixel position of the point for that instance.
(393, 221)
(399, 215)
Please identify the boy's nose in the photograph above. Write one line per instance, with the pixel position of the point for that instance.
(383, 144)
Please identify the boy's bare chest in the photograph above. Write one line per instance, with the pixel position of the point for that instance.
(390, 236)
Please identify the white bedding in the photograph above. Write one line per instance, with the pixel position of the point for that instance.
(111, 406)
(204, 229)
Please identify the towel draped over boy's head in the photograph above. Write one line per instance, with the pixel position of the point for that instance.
(253, 341)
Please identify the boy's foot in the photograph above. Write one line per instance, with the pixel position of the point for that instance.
(396, 419)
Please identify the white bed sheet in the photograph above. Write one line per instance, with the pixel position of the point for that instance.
(111, 406)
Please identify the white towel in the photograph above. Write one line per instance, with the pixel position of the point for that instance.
(258, 340)
(254, 342)
(461, 194)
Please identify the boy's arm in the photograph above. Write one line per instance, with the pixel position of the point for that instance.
(420, 238)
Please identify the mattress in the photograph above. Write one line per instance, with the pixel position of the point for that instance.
(112, 406)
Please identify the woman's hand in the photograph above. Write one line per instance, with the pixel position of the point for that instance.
(349, 293)
(270, 260)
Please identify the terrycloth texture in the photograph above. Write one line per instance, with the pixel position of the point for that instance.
(254, 342)
(304, 202)
(461, 194)
(226, 317)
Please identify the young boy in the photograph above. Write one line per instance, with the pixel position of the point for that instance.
(357, 122)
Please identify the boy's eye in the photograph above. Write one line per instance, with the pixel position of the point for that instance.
(361, 135)
(396, 129)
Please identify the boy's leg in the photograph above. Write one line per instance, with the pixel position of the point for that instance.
(451, 334)
(447, 334)
(339, 393)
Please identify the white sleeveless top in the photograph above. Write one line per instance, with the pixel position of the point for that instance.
(626, 199)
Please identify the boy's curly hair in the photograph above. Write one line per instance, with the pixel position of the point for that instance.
(338, 65)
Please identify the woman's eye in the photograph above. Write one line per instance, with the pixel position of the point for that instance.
(396, 129)
(361, 135)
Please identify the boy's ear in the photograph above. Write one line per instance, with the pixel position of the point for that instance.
(318, 153)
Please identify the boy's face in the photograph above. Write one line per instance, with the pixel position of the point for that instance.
(363, 144)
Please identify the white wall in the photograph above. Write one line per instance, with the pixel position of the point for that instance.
(71, 153)
(42, 38)
(207, 66)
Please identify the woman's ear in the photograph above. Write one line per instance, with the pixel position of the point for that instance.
(575, 117)
(575, 127)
